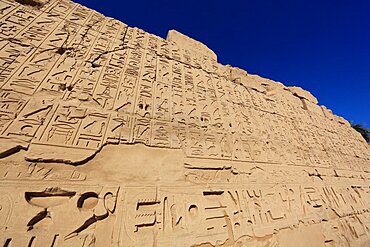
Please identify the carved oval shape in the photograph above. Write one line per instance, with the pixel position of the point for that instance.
(26, 128)
(88, 200)
(193, 211)
(110, 202)
(5, 210)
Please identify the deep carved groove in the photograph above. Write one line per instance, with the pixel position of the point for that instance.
(32, 3)
(87, 200)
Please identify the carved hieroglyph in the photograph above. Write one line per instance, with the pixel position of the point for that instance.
(111, 136)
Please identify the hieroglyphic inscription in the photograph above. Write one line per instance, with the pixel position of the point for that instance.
(233, 215)
(41, 213)
(259, 157)
(144, 89)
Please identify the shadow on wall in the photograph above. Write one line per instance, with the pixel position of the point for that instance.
(32, 3)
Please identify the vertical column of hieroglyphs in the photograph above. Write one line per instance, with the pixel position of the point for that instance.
(143, 68)
(107, 89)
(64, 80)
(80, 121)
(32, 48)
(142, 131)
(181, 97)
(229, 113)
(162, 134)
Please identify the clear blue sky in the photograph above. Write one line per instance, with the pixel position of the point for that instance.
(322, 46)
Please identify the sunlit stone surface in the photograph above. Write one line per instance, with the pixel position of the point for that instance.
(111, 136)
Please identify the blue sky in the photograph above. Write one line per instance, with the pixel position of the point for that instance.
(321, 46)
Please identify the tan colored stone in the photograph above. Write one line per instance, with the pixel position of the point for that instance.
(303, 94)
(111, 136)
(187, 43)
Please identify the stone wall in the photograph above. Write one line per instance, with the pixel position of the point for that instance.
(111, 136)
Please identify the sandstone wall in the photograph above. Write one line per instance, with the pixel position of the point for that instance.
(111, 136)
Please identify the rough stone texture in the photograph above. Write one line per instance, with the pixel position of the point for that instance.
(111, 136)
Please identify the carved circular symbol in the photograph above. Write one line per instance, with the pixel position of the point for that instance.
(88, 200)
(193, 210)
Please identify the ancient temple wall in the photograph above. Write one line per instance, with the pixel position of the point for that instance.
(112, 136)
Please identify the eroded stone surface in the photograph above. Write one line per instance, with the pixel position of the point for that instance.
(111, 136)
